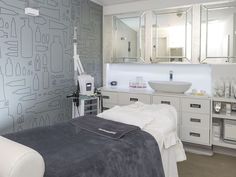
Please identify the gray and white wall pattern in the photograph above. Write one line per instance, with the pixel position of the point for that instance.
(36, 59)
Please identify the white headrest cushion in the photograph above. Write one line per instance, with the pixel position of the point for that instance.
(17, 160)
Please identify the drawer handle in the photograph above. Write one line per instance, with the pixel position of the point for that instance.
(195, 120)
(165, 102)
(195, 134)
(195, 106)
(105, 97)
(133, 99)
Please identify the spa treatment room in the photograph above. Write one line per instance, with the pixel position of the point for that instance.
(117, 88)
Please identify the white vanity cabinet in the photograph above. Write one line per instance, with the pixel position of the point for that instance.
(196, 121)
(128, 98)
(170, 100)
(194, 113)
(109, 99)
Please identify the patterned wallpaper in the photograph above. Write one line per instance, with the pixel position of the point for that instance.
(36, 64)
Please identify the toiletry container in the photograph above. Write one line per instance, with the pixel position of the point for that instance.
(230, 131)
(216, 131)
(227, 89)
(228, 108)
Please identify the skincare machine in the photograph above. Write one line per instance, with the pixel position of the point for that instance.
(84, 100)
(84, 81)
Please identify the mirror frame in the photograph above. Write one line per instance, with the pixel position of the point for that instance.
(175, 11)
(214, 7)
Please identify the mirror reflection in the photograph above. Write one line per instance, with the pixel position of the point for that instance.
(129, 38)
(172, 36)
(218, 41)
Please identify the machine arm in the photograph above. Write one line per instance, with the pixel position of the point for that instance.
(78, 65)
(84, 82)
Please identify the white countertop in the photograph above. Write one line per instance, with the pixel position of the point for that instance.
(151, 92)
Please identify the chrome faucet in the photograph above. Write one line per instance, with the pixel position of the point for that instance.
(171, 73)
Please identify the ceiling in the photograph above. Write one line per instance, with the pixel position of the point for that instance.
(112, 2)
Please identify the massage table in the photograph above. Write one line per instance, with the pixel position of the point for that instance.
(96, 146)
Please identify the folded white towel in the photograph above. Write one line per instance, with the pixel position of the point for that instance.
(127, 115)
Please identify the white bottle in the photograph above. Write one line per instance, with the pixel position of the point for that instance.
(227, 89)
(228, 109)
(221, 88)
(232, 87)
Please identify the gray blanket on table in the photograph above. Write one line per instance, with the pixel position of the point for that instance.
(94, 147)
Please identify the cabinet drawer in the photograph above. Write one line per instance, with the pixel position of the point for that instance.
(110, 99)
(195, 135)
(126, 98)
(196, 106)
(167, 100)
(196, 120)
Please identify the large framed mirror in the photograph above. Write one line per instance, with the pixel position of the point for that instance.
(172, 36)
(128, 38)
(218, 33)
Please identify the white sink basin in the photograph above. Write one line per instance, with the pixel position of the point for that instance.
(170, 86)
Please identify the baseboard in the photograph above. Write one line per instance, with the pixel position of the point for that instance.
(225, 151)
(208, 150)
(198, 149)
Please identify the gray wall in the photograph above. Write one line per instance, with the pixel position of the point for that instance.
(36, 64)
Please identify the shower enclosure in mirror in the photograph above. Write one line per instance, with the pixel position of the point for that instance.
(129, 38)
(172, 34)
(218, 33)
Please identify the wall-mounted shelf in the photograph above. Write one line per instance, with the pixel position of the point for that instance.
(227, 100)
(223, 115)
(221, 118)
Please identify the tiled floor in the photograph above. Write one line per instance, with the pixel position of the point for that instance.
(205, 166)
